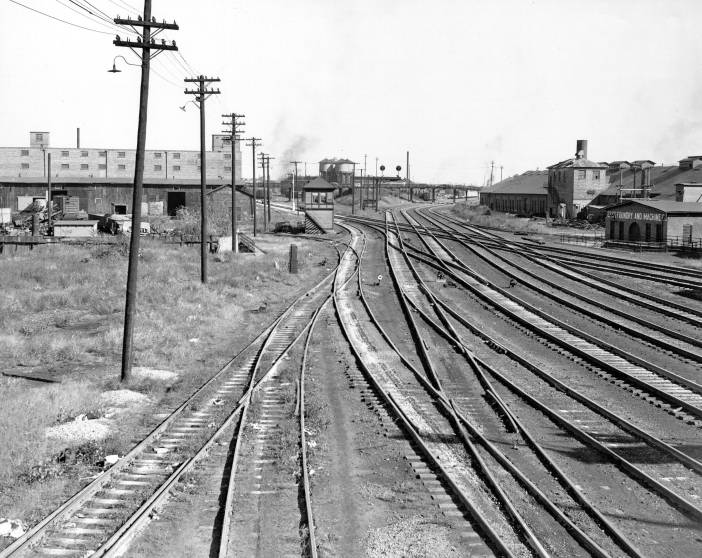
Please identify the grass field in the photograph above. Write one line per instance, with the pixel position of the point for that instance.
(61, 316)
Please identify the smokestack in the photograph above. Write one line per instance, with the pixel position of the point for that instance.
(581, 149)
(77, 138)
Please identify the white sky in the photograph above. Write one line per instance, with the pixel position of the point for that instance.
(458, 83)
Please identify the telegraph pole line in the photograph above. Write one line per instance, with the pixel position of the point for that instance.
(203, 93)
(235, 124)
(262, 156)
(492, 169)
(295, 181)
(268, 185)
(149, 49)
(254, 143)
(501, 167)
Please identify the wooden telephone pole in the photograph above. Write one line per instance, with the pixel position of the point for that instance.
(202, 95)
(268, 185)
(262, 156)
(234, 123)
(149, 49)
(254, 143)
(294, 183)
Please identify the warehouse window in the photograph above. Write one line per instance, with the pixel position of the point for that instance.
(176, 155)
(65, 166)
(25, 165)
(83, 153)
(157, 167)
(102, 166)
(39, 137)
(659, 233)
(64, 153)
(596, 175)
(103, 154)
(621, 230)
(84, 166)
(648, 232)
(158, 155)
(228, 169)
(176, 168)
(121, 167)
(581, 174)
(227, 155)
(121, 154)
(25, 153)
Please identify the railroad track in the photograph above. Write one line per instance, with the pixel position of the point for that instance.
(680, 276)
(103, 518)
(606, 434)
(675, 349)
(677, 395)
(668, 308)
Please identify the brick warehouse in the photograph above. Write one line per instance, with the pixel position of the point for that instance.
(103, 177)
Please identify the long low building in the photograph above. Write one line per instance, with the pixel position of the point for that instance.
(32, 161)
(655, 221)
(525, 194)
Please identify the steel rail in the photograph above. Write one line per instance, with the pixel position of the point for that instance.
(72, 505)
(311, 540)
(582, 538)
(434, 387)
(632, 331)
(663, 268)
(223, 547)
(663, 306)
(407, 425)
(618, 420)
(119, 541)
(642, 477)
(601, 360)
(652, 484)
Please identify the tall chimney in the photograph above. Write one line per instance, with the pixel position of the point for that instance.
(581, 149)
(77, 138)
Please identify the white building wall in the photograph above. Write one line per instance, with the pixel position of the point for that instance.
(30, 162)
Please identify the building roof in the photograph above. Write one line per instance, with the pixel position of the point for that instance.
(642, 161)
(666, 206)
(574, 162)
(697, 184)
(318, 184)
(690, 158)
(84, 223)
(663, 179)
(530, 182)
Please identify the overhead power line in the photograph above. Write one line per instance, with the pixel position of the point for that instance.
(123, 5)
(61, 20)
(86, 16)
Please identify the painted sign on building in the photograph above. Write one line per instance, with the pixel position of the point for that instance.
(635, 216)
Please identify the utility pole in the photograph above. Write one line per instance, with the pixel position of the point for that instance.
(262, 156)
(294, 182)
(492, 169)
(501, 167)
(353, 194)
(234, 123)
(353, 187)
(254, 142)
(149, 49)
(407, 177)
(268, 185)
(49, 208)
(202, 95)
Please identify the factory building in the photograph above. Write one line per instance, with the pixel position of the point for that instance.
(655, 221)
(524, 195)
(102, 178)
(180, 164)
(574, 183)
